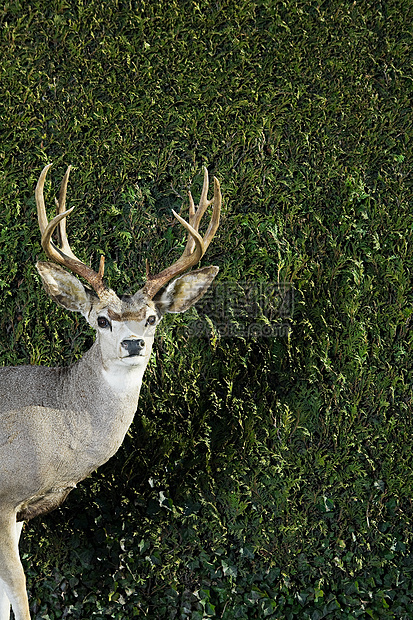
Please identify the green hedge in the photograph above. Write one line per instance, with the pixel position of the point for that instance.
(263, 477)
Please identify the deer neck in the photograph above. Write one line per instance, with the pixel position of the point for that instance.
(107, 387)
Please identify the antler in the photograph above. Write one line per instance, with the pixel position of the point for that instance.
(64, 255)
(196, 245)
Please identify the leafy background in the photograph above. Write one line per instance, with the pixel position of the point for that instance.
(263, 477)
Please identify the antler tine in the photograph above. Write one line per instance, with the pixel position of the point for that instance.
(216, 211)
(204, 203)
(64, 255)
(60, 208)
(38, 193)
(196, 245)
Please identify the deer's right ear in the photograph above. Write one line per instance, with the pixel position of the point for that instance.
(65, 289)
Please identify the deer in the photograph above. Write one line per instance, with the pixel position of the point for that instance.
(59, 424)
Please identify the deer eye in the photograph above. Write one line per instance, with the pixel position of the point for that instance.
(103, 322)
(151, 320)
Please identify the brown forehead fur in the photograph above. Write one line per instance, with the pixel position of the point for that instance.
(127, 308)
(127, 315)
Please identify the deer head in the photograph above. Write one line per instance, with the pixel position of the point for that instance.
(125, 326)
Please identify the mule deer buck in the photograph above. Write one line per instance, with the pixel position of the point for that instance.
(57, 425)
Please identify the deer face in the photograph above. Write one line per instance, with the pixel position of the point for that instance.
(125, 327)
(125, 332)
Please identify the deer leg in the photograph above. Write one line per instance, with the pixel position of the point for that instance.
(4, 603)
(12, 579)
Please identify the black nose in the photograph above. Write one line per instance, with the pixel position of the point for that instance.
(133, 347)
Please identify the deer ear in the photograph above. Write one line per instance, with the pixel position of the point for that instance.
(185, 291)
(64, 288)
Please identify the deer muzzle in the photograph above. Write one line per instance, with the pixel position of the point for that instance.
(133, 347)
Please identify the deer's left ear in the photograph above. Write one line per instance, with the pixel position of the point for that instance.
(185, 291)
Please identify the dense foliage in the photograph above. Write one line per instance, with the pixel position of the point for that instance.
(267, 474)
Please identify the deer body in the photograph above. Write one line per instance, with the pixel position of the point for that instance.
(57, 425)
(79, 438)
